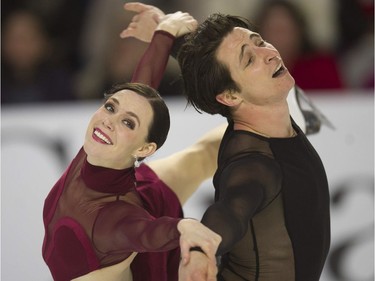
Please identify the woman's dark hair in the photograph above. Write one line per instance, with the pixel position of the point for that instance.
(160, 124)
(203, 75)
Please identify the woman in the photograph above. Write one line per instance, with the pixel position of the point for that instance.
(96, 215)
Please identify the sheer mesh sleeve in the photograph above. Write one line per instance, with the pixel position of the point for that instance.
(242, 191)
(122, 227)
(151, 67)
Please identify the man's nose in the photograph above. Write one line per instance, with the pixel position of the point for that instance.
(271, 55)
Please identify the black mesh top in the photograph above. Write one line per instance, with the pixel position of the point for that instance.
(271, 208)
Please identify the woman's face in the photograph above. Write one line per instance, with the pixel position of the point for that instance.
(118, 131)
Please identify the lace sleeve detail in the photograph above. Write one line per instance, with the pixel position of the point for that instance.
(152, 65)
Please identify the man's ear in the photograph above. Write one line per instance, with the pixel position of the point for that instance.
(229, 99)
(146, 150)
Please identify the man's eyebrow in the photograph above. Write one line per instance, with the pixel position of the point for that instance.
(242, 51)
(252, 35)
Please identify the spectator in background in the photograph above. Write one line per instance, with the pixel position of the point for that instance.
(356, 42)
(63, 18)
(29, 72)
(283, 25)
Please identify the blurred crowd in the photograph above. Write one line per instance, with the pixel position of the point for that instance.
(65, 50)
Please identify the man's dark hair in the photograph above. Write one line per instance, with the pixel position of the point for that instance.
(203, 75)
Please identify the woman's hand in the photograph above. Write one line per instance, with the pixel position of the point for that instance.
(177, 24)
(195, 234)
(149, 18)
(144, 23)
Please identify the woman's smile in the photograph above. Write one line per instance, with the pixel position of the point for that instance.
(101, 137)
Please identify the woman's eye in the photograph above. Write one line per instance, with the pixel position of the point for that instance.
(129, 123)
(109, 107)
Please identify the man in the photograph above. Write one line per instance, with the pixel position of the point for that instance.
(272, 201)
(272, 198)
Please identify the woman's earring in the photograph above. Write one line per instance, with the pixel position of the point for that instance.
(136, 162)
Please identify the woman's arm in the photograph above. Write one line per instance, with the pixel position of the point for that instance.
(129, 228)
(144, 22)
(152, 65)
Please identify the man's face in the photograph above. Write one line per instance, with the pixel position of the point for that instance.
(256, 66)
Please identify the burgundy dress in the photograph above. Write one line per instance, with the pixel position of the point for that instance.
(96, 217)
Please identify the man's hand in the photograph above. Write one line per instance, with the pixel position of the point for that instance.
(198, 269)
(195, 234)
(144, 23)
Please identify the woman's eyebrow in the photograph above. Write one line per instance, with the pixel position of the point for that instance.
(135, 116)
(114, 100)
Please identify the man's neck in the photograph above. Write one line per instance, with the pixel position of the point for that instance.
(267, 121)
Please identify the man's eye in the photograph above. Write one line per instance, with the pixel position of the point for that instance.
(262, 43)
(249, 61)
